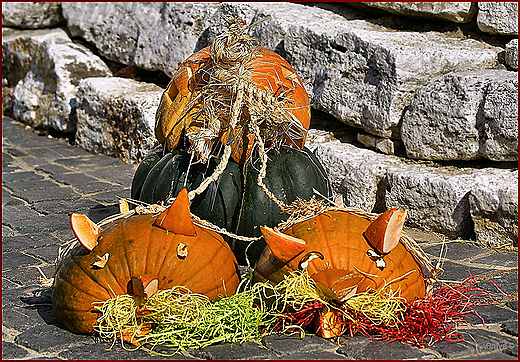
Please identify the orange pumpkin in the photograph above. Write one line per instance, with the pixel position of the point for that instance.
(333, 247)
(138, 255)
(270, 78)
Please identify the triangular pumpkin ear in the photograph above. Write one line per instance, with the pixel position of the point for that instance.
(384, 233)
(177, 218)
(283, 247)
(85, 230)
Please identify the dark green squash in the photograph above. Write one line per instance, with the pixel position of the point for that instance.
(235, 202)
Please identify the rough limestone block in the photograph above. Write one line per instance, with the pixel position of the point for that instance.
(152, 35)
(53, 66)
(116, 116)
(384, 145)
(494, 207)
(356, 173)
(464, 116)
(453, 201)
(498, 17)
(31, 15)
(361, 73)
(458, 12)
(365, 75)
(512, 54)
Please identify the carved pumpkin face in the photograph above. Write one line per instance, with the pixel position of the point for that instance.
(272, 87)
(334, 250)
(138, 255)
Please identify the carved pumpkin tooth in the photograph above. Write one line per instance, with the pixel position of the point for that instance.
(283, 247)
(384, 233)
(329, 323)
(85, 230)
(177, 217)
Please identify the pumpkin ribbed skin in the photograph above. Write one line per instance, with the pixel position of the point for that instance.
(236, 202)
(136, 248)
(337, 235)
(269, 72)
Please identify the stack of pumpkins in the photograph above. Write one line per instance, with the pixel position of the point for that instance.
(236, 115)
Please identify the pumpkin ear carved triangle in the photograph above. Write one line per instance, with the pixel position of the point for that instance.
(283, 247)
(177, 218)
(384, 233)
(85, 230)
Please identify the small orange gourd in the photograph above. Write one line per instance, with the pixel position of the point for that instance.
(139, 255)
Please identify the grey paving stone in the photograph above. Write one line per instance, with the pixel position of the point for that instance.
(102, 351)
(50, 338)
(55, 149)
(65, 207)
(7, 284)
(507, 283)
(15, 152)
(38, 224)
(513, 305)
(80, 163)
(8, 200)
(42, 295)
(123, 174)
(6, 158)
(12, 351)
(99, 213)
(499, 259)
(380, 350)
(312, 356)
(55, 193)
(293, 344)
(22, 319)
(53, 169)
(9, 168)
(13, 297)
(64, 235)
(47, 254)
(24, 185)
(28, 275)
(510, 327)
(25, 242)
(455, 250)
(7, 231)
(249, 350)
(21, 176)
(491, 314)
(111, 196)
(476, 341)
(459, 272)
(14, 214)
(488, 356)
(96, 187)
(72, 178)
(15, 260)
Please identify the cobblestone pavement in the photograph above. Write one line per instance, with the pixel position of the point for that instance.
(45, 179)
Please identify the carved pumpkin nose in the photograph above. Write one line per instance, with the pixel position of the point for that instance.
(144, 286)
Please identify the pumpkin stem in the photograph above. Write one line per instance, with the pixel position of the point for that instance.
(177, 217)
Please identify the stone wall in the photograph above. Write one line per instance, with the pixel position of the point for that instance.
(420, 99)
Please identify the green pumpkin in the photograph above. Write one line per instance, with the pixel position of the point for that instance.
(235, 202)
